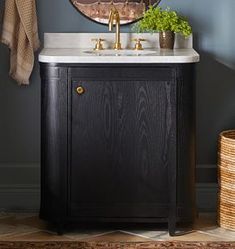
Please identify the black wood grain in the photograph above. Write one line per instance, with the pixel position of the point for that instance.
(53, 143)
(120, 140)
(186, 138)
(124, 150)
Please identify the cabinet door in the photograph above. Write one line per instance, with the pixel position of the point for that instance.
(122, 138)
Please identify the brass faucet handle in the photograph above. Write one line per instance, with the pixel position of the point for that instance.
(138, 45)
(99, 43)
(138, 39)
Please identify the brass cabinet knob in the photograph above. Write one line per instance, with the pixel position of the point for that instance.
(80, 90)
(99, 44)
(138, 45)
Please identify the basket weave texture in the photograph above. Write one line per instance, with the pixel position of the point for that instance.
(226, 173)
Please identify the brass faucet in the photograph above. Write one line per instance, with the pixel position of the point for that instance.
(115, 17)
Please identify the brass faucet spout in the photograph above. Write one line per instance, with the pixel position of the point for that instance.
(110, 20)
(115, 17)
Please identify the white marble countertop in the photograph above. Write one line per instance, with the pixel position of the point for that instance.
(60, 55)
(78, 48)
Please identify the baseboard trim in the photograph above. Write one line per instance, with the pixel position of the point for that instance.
(27, 197)
(21, 188)
(20, 198)
(22, 193)
(19, 165)
(207, 197)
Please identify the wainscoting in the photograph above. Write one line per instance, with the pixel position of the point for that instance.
(207, 187)
(20, 187)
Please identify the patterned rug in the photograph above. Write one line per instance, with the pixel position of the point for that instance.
(116, 245)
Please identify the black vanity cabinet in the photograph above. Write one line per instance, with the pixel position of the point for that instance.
(117, 143)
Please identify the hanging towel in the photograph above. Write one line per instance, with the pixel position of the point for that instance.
(20, 34)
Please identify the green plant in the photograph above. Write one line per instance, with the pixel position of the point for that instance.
(158, 19)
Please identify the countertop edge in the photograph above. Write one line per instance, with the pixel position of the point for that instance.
(192, 57)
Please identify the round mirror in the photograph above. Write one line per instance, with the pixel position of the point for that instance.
(98, 10)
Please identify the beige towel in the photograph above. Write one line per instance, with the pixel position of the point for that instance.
(20, 34)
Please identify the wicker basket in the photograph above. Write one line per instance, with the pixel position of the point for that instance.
(226, 165)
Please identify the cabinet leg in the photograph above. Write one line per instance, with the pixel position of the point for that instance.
(172, 227)
(60, 229)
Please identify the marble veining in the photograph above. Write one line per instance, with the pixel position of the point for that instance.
(74, 48)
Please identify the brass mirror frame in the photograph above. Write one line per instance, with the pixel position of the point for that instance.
(105, 24)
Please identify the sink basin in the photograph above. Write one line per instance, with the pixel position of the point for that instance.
(126, 52)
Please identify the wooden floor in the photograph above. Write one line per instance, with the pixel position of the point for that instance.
(28, 227)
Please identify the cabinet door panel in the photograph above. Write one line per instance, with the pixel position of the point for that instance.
(121, 135)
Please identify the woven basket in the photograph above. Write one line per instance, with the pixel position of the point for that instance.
(226, 174)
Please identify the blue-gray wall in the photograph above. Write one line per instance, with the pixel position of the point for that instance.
(213, 24)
